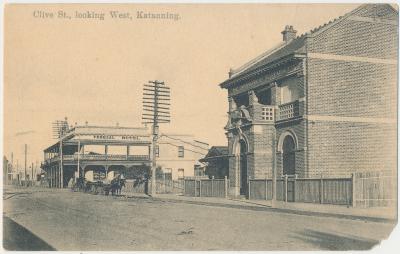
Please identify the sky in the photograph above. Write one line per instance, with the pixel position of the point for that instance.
(93, 70)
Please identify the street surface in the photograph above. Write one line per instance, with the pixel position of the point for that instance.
(43, 219)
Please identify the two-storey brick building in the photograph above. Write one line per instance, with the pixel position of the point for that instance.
(323, 103)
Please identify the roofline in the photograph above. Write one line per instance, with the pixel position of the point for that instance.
(205, 159)
(109, 127)
(312, 33)
(257, 59)
(229, 81)
(204, 143)
(53, 145)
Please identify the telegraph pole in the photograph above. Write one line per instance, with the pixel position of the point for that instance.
(18, 176)
(156, 102)
(26, 150)
(32, 175)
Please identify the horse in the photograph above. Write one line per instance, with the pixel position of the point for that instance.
(116, 185)
(80, 185)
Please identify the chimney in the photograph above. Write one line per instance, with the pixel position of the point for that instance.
(289, 33)
(230, 73)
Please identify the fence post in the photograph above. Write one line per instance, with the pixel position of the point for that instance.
(294, 187)
(321, 190)
(353, 190)
(286, 188)
(266, 189)
(212, 186)
(195, 187)
(200, 188)
(248, 188)
(226, 186)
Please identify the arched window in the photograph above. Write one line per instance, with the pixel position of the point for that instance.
(289, 157)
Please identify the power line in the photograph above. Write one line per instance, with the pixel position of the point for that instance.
(183, 141)
(185, 148)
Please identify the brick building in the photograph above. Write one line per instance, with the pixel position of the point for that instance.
(323, 103)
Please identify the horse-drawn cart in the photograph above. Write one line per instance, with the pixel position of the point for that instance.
(100, 186)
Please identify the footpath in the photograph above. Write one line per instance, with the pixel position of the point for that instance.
(376, 214)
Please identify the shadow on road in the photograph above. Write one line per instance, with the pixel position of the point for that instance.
(18, 238)
(329, 241)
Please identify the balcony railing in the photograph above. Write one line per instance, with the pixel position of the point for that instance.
(289, 110)
(254, 113)
(267, 113)
(92, 157)
(259, 113)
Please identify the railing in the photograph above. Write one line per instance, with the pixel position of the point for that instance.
(255, 113)
(267, 113)
(118, 157)
(289, 110)
(51, 160)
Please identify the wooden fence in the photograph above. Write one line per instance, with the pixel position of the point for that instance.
(206, 187)
(366, 189)
(162, 186)
(307, 190)
(375, 189)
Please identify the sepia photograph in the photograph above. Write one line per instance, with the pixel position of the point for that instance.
(199, 126)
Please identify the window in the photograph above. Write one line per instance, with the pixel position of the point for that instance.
(290, 91)
(181, 173)
(264, 97)
(181, 151)
(157, 151)
(168, 174)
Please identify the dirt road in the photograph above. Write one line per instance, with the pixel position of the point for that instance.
(65, 220)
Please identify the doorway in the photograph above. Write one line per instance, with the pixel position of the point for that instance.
(289, 156)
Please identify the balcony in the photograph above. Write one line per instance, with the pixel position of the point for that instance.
(289, 110)
(259, 113)
(99, 157)
(256, 113)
